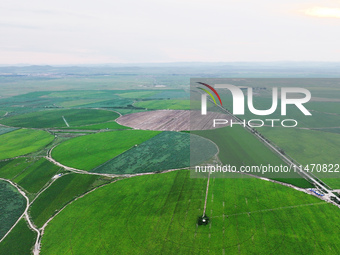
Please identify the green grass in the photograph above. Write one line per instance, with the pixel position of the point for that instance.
(36, 175)
(79, 102)
(63, 190)
(19, 241)
(12, 205)
(126, 111)
(2, 113)
(328, 107)
(9, 169)
(172, 94)
(171, 104)
(110, 103)
(53, 118)
(76, 94)
(309, 147)
(87, 152)
(238, 147)
(138, 94)
(157, 214)
(329, 130)
(167, 150)
(23, 141)
(112, 125)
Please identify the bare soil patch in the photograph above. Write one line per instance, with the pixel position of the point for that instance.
(172, 120)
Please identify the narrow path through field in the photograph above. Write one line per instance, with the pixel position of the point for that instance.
(206, 195)
(54, 178)
(65, 121)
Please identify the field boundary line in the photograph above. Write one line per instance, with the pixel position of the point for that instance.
(206, 195)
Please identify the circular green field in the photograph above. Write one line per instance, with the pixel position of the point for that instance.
(134, 151)
(158, 214)
(23, 141)
(60, 118)
(167, 150)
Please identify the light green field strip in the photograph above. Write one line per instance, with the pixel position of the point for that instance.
(107, 125)
(138, 94)
(74, 103)
(23, 141)
(54, 118)
(171, 104)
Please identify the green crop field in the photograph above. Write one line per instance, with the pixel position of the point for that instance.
(60, 192)
(10, 245)
(54, 118)
(329, 130)
(167, 150)
(87, 152)
(12, 205)
(23, 141)
(309, 147)
(79, 102)
(89, 94)
(172, 104)
(112, 125)
(171, 94)
(238, 147)
(109, 103)
(36, 175)
(11, 168)
(157, 214)
(325, 107)
(138, 94)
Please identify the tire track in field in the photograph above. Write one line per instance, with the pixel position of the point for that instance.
(271, 209)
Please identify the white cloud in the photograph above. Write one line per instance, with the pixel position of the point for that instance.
(323, 12)
(40, 31)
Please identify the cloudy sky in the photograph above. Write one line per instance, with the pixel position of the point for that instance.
(131, 31)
